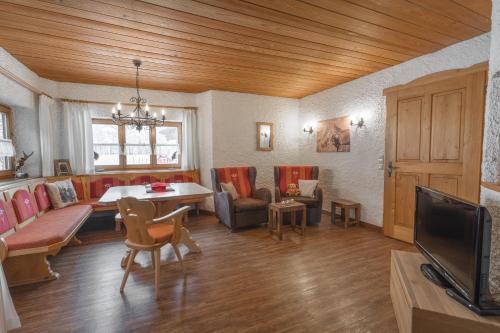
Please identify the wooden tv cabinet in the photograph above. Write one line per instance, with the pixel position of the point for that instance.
(421, 306)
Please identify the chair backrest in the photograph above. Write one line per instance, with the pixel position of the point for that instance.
(285, 174)
(243, 179)
(136, 215)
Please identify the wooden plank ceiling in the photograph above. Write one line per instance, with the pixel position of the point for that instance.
(271, 47)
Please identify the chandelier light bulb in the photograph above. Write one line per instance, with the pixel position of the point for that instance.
(162, 112)
(119, 106)
(154, 115)
(113, 110)
(147, 107)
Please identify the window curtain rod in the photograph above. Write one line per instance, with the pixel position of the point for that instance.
(130, 104)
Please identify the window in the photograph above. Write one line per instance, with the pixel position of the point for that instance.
(168, 145)
(137, 146)
(106, 144)
(123, 147)
(6, 162)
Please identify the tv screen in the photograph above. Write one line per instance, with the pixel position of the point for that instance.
(446, 231)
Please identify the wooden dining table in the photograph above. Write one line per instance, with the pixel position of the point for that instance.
(165, 202)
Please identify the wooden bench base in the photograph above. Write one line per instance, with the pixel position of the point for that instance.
(28, 268)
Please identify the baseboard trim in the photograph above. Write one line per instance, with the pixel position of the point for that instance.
(366, 225)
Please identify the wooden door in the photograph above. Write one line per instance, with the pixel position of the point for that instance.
(434, 131)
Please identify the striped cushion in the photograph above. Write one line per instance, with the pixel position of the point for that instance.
(7, 216)
(292, 174)
(78, 186)
(100, 185)
(239, 177)
(178, 179)
(143, 180)
(24, 205)
(42, 197)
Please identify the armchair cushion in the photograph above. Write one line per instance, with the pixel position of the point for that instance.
(292, 174)
(308, 187)
(229, 187)
(161, 232)
(240, 178)
(248, 204)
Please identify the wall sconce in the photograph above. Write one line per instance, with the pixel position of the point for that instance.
(359, 124)
(308, 129)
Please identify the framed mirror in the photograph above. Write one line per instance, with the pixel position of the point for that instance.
(265, 136)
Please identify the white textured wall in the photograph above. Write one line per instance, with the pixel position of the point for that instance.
(355, 175)
(234, 132)
(491, 149)
(24, 106)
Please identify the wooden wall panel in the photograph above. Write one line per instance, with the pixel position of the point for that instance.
(409, 129)
(447, 118)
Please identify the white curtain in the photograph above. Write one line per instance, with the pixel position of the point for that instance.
(8, 315)
(78, 121)
(45, 121)
(190, 156)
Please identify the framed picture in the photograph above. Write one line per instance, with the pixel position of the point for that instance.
(265, 136)
(334, 135)
(62, 168)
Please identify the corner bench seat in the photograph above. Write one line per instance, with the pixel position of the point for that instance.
(51, 229)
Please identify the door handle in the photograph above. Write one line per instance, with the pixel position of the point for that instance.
(390, 168)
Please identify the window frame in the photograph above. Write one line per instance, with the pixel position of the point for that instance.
(10, 132)
(120, 134)
(152, 141)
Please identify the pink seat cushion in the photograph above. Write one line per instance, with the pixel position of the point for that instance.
(42, 197)
(51, 228)
(7, 216)
(24, 205)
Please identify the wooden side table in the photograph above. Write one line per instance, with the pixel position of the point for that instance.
(275, 220)
(345, 208)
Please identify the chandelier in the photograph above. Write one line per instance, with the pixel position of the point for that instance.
(141, 116)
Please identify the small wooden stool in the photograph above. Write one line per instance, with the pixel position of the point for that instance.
(275, 219)
(345, 209)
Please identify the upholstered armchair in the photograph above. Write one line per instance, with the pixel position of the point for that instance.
(284, 175)
(251, 208)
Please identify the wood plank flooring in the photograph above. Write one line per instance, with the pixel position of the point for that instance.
(331, 280)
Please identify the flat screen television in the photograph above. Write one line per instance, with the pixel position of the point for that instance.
(455, 236)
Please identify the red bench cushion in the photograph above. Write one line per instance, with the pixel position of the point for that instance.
(239, 177)
(143, 180)
(42, 197)
(292, 174)
(100, 185)
(178, 179)
(24, 205)
(7, 216)
(51, 228)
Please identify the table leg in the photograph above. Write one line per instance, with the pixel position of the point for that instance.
(280, 225)
(358, 215)
(269, 220)
(347, 214)
(334, 214)
(187, 239)
(304, 220)
(293, 218)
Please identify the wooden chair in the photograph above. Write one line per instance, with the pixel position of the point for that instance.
(147, 233)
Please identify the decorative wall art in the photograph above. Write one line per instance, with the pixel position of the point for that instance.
(334, 135)
(265, 136)
(62, 168)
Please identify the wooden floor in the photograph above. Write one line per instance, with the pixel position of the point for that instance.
(332, 280)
